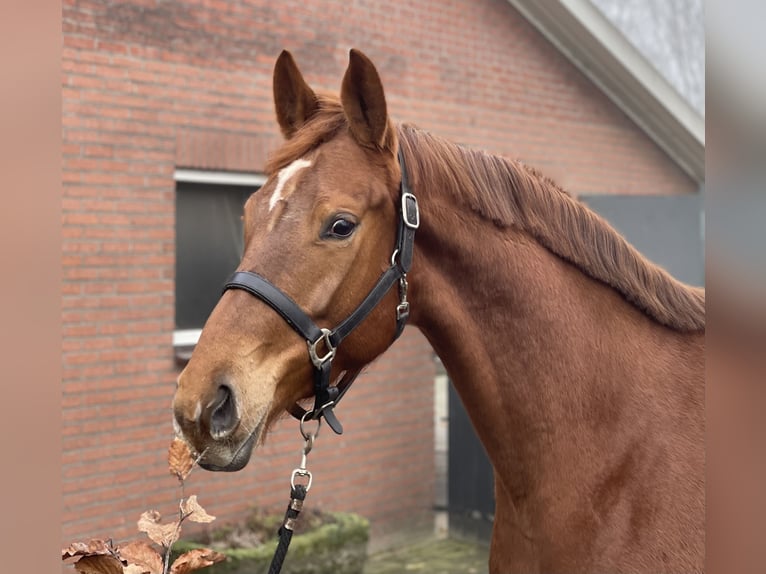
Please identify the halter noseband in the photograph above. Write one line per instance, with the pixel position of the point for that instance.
(322, 343)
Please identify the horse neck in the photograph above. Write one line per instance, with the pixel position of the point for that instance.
(536, 349)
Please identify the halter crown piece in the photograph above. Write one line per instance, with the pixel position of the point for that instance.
(322, 343)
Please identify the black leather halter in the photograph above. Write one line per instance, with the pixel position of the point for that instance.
(325, 396)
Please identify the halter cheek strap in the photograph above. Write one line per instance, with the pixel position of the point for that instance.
(323, 343)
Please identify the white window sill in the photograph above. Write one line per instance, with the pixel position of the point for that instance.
(184, 341)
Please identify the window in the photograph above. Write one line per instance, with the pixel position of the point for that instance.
(209, 244)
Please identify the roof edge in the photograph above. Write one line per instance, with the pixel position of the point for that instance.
(592, 43)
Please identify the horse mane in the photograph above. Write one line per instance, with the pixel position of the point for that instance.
(509, 193)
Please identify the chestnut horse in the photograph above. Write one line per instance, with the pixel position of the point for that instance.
(579, 362)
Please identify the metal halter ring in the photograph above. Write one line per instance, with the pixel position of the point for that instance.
(309, 437)
(316, 359)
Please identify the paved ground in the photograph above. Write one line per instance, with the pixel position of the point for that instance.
(440, 555)
(444, 556)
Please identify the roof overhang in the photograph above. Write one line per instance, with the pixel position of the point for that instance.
(585, 36)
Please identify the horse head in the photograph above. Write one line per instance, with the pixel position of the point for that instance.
(321, 231)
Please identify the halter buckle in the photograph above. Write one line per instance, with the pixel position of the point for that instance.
(403, 311)
(411, 217)
(403, 308)
(315, 358)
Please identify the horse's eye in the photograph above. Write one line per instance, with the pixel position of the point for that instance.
(342, 228)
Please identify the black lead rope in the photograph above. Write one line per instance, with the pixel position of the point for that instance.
(297, 496)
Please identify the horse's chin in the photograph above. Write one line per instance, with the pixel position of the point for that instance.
(239, 459)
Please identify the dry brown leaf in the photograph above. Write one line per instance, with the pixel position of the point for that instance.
(196, 559)
(194, 512)
(98, 564)
(74, 549)
(180, 459)
(91, 548)
(140, 554)
(163, 534)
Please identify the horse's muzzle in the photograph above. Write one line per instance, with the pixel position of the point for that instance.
(239, 460)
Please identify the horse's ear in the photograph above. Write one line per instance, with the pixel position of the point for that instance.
(294, 100)
(364, 102)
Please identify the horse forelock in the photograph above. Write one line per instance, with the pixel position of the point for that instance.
(328, 122)
(323, 125)
(509, 193)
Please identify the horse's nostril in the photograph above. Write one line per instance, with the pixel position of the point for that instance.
(223, 413)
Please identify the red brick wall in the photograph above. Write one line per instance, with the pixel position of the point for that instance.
(149, 86)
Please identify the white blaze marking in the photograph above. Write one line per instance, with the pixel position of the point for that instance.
(282, 178)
